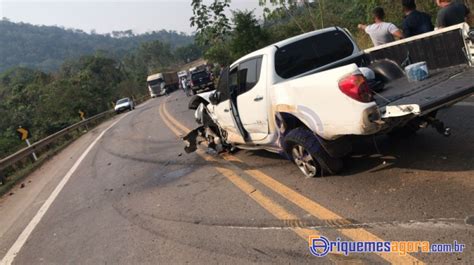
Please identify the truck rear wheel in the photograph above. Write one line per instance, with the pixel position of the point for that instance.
(306, 152)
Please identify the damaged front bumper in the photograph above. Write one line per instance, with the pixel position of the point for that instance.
(208, 134)
(191, 139)
(206, 137)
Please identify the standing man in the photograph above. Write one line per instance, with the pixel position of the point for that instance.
(381, 32)
(415, 22)
(451, 13)
(184, 84)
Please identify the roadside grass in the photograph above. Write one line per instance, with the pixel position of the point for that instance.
(20, 174)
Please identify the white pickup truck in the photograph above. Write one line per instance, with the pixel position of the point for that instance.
(302, 97)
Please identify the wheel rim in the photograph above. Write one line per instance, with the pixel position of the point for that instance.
(305, 161)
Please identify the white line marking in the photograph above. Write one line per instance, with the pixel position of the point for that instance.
(21, 240)
(465, 104)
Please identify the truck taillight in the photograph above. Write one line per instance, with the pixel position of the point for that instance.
(356, 87)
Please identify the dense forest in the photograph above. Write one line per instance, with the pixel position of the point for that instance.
(46, 47)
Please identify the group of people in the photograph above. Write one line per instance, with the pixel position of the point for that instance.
(451, 12)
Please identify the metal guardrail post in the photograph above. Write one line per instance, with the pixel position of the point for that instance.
(10, 160)
(2, 177)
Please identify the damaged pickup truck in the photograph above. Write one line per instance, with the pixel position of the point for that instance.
(305, 96)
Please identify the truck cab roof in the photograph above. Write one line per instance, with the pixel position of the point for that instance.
(155, 77)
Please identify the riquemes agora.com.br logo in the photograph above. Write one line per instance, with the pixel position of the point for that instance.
(321, 246)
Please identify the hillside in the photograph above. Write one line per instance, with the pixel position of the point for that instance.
(47, 47)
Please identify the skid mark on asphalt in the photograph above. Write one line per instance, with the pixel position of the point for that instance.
(315, 209)
(145, 221)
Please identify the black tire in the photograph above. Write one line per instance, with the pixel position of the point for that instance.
(307, 139)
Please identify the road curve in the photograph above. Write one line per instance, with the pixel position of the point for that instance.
(135, 197)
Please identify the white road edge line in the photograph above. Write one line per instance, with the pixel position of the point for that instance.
(21, 240)
(465, 104)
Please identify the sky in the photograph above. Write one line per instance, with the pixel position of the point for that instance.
(105, 16)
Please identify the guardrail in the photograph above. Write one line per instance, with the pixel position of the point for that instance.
(41, 144)
(27, 151)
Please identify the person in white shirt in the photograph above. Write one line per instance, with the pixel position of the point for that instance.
(184, 85)
(381, 32)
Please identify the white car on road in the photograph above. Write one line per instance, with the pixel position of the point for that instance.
(123, 105)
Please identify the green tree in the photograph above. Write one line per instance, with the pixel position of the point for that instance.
(211, 23)
(247, 34)
(156, 55)
(188, 53)
(48, 103)
(212, 28)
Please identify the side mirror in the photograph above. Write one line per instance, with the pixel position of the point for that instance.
(215, 97)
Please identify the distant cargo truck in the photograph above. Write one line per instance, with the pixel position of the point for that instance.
(155, 87)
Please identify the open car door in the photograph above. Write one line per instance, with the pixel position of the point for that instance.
(225, 109)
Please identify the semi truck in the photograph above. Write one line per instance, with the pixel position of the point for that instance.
(155, 83)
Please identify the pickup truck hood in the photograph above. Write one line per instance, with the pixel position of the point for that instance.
(205, 95)
(196, 100)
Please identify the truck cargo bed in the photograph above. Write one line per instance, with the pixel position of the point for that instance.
(442, 87)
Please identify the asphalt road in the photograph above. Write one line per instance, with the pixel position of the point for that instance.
(137, 198)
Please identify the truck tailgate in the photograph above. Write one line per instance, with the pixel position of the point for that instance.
(444, 87)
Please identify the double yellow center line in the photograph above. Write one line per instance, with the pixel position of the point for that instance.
(310, 206)
(272, 207)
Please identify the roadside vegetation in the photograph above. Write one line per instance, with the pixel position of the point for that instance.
(46, 102)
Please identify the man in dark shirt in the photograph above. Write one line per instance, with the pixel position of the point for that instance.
(451, 13)
(415, 22)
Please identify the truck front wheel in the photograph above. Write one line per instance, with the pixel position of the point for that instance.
(306, 152)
